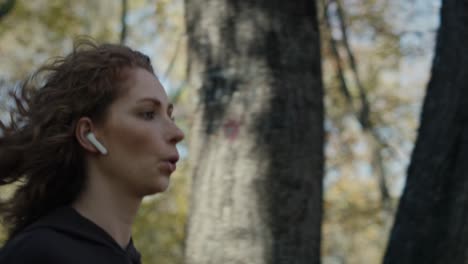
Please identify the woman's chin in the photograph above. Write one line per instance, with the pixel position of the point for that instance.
(161, 184)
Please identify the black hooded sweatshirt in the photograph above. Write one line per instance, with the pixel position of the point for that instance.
(66, 237)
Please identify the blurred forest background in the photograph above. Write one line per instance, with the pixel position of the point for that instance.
(376, 61)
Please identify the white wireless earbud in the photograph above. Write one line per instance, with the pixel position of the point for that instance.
(92, 138)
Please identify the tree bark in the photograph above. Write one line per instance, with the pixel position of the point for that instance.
(257, 141)
(431, 223)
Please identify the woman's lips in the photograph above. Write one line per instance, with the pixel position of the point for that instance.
(168, 166)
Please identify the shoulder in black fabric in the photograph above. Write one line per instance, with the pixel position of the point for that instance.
(64, 236)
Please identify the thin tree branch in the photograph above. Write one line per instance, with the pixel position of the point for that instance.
(363, 116)
(6, 7)
(378, 165)
(123, 21)
(365, 106)
(336, 55)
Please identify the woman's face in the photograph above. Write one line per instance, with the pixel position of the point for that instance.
(140, 136)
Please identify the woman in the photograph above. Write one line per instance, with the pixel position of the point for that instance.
(85, 148)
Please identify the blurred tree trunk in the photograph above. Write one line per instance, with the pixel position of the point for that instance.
(257, 142)
(431, 225)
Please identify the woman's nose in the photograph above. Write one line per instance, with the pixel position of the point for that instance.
(177, 135)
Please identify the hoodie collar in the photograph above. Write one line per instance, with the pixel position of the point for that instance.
(68, 220)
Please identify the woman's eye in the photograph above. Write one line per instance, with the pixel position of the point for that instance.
(148, 115)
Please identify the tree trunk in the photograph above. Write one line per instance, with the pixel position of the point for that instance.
(431, 224)
(257, 142)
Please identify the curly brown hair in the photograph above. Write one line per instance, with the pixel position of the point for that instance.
(38, 149)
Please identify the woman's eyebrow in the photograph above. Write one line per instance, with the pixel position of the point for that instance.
(156, 102)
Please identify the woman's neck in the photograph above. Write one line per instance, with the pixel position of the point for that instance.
(108, 208)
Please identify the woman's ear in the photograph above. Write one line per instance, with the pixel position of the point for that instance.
(88, 141)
